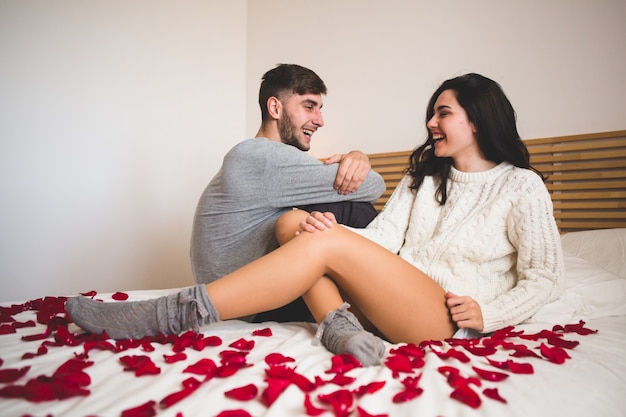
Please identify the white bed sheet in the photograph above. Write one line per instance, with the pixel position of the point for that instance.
(591, 382)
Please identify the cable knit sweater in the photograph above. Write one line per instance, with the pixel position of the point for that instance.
(494, 240)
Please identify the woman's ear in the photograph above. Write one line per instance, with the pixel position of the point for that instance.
(274, 107)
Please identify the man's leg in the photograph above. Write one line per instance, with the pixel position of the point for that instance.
(350, 213)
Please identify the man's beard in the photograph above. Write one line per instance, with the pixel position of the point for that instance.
(289, 133)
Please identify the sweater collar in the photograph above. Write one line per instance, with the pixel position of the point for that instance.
(460, 176)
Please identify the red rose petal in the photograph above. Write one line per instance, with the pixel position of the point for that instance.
(520, 368)
(189, 386)
(343, 363)
(554, 354)
(140, 364)
(234, 413)
(12, 375)
(7, 329)
(245, 393)
(342, 380)
(341, 401)
(277, 359)
(398, 364)
(466, 395)
(243, 344)
(267, 332)
(274, 388)
(145, 410)
(369, 388)
(177, 357)
(362, 413)
(578, 328)
(407, 395)
(493, 394)
(310, 409)
(212, 341)
(490, 375)
(91, 293)
(202, 367)
(119, 296)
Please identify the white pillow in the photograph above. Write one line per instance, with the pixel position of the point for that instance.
(603, 248)
(589, 292)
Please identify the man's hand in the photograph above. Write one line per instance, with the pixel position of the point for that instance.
(353, 168)
(465, 312)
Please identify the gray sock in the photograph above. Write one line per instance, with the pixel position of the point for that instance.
(190, 308)
(341, 332)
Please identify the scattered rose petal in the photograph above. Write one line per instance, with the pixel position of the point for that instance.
(578, 328)
(406, 395)
(266, 332)
(466, 395)
(243, 344)
(342, 380)
(144, 410)
(189, 386)
(7, 329)
(493, 394)
(177, 357)
(343, 363)
(554, 354)
(362, 413)
(91, 293)
(398, 364)
(245, 393)
(369, 388)
(203, 367)
(119, 296)
(234, 413)
(490, 375)
(275, 387)
(140, 364)
(277, 359)
(12, 375)
(341, 401)
(310, 409)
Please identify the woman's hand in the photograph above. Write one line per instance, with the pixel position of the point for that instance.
(317, 221)
(465, 312)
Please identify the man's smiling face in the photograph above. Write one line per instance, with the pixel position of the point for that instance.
(301, 117)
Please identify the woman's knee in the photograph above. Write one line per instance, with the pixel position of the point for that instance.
(288, 224)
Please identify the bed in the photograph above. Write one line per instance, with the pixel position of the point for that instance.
(568, 359)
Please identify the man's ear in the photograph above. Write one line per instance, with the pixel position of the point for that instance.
(274, 107)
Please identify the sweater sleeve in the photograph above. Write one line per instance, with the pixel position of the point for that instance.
(534, 233)
(389, 227)
(295, 178)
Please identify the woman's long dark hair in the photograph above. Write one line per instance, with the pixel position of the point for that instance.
(492, 114)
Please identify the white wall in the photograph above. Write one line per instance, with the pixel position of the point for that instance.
(114, 114)
(113, 117)
(561, 62)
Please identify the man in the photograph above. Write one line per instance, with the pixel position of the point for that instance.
(263, 177)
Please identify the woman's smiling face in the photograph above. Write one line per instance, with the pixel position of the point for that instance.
(454, 136)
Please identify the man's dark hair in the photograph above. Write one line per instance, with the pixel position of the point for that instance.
(285, 80)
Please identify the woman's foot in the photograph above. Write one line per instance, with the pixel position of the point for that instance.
(188, 309)
(342, 333)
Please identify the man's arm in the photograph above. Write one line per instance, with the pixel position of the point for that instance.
(352, 171)
(294, 178)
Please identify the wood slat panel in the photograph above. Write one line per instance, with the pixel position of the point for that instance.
(586, 177)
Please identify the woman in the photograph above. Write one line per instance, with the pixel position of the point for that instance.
(467, 243)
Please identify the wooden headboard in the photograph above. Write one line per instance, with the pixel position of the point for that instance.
(586, 177)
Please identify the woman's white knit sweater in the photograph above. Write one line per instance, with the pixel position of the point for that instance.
(494, 240)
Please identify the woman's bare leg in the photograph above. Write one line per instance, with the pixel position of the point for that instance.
(401, 301)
